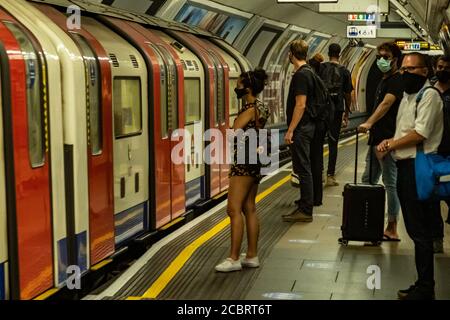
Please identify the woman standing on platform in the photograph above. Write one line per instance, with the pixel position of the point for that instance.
(245, 178)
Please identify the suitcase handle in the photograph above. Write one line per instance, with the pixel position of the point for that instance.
(356, 160)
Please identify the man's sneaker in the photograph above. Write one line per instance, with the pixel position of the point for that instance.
(419, 294)
(249, 263)
(229, 265)
(438, 246)
(331, 181)
(403, 293)
(298, 216)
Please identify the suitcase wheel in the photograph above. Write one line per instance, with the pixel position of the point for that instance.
(376, 243)
(343, 242)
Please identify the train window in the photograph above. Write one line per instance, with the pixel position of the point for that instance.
(172, 87)
(220, 92)
(127, 106)
(234, 101)
(93, 103)
(35, 103)
(192, 100)
(163, 93)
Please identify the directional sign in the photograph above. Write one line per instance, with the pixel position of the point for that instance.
(362, 32)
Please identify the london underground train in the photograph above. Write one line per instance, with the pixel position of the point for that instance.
(87, 116)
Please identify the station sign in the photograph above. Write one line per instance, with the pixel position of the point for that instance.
(368, 32)
(362, 17)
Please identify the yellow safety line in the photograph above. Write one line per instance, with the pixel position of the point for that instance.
(47, 294)
(100, 265)
(187, 252)
(167, 226)
(171, 271)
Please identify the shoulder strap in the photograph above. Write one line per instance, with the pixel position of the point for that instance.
(421, 94)
(420, 147)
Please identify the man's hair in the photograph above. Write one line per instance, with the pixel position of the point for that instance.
(299, 48)
(444, 58)
(334, 50)
(392, 47)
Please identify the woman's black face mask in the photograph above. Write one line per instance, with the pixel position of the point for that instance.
(240, 92)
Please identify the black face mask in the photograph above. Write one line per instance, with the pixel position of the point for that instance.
(413, 82)
(240, 92)
(443, 76)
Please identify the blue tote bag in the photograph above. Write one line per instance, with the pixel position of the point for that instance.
(432, 171)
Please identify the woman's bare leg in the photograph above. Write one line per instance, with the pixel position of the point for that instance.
(237, 193)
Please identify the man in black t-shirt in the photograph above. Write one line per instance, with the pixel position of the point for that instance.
(382, 124)
(339, 84)
(301, 132)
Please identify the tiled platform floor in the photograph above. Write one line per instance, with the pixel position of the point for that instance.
(308, 263)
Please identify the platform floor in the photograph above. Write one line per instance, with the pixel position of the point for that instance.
(299, 261)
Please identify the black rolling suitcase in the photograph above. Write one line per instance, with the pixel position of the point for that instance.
(363, 212)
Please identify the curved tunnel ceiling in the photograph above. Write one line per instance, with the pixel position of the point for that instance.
(424, 14)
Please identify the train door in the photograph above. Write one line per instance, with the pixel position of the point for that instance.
(222, 62)
(170, 115)
(3, 221)
(97, 72)
(211, 110)
(194, 123)
(162, 89)
(221, 112)
(25, 116)
(130, 123)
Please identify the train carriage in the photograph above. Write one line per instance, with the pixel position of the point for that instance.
(130, 128)
(97, 72)
(33, 161)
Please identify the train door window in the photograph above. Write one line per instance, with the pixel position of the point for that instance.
(192, 100)
(163, 93)
(127, 106)
(172, 87)
(234, 101)
(220, 90)
(35, 102)
(93, 104)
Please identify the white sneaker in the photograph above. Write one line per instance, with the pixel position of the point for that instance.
(249, 263)
(229, 265)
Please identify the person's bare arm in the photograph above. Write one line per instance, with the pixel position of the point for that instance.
(382, 109)
(299, 111)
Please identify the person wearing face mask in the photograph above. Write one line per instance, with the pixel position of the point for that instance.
(442, 72)
(418, 123)
(245, 178)
(381, 126)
